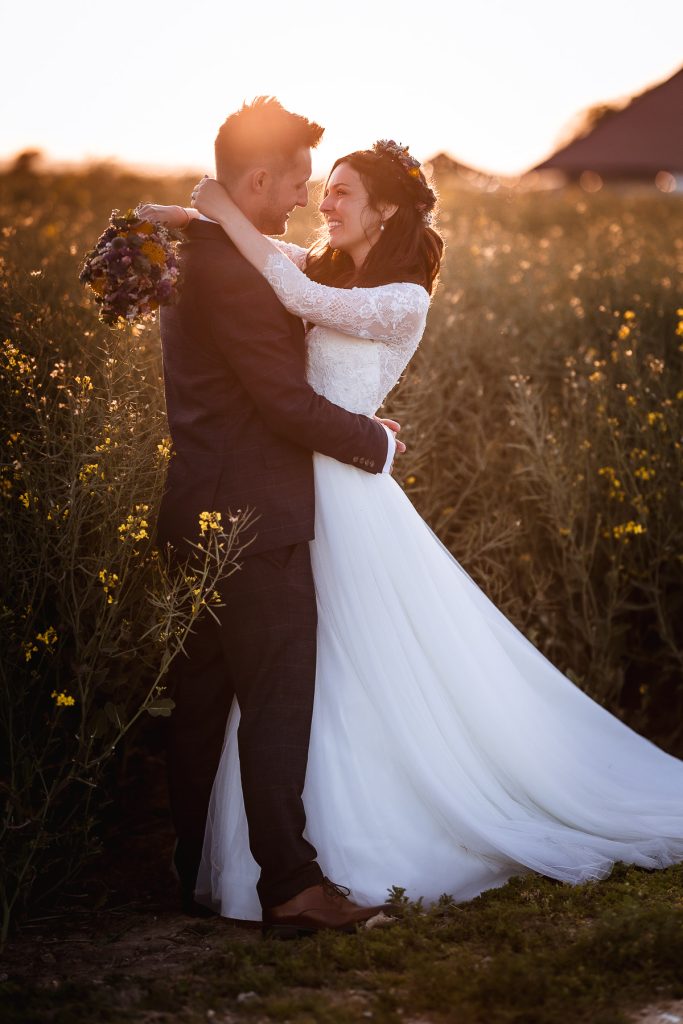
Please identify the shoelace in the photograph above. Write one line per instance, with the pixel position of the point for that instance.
(336, 890)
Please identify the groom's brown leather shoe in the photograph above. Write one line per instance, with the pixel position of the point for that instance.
(320, 906)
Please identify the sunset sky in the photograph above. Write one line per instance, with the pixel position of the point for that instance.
(491, 81)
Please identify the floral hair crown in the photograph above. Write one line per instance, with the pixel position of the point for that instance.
(387, 147)
(408, 163)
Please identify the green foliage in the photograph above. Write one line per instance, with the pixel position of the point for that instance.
(535, 951)
(90, 616)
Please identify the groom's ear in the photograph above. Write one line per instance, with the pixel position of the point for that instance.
(258, 180)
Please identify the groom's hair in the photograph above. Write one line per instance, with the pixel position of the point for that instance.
(261, 131)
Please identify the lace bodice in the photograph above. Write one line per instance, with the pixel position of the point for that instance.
(362, 338)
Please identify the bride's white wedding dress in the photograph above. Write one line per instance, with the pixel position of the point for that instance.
(447, 754)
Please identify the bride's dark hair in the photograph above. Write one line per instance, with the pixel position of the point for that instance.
(408, 249)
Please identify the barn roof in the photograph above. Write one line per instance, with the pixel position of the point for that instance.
(643, 138)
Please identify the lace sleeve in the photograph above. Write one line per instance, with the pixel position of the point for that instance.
(296, 253)
(390, 313)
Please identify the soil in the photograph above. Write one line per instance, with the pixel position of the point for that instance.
(123, 914)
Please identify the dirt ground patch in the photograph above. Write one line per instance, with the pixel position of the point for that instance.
(124, 912)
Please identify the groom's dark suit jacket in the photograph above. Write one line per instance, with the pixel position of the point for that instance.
(243, 419)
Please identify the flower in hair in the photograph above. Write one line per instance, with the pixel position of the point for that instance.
(408, 163)
(388, 147)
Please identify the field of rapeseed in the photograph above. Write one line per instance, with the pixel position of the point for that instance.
(89, 613)
(543, 416)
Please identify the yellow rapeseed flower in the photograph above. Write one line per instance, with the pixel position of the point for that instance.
(611, 475)
(89, 469)
(135, 526)
(49, 637)
(615, 488)
(63, 699)
(623, 530)
(109, 581)
(29, 649)
(209, 521)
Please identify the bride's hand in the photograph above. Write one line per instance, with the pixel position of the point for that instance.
(395, 427)
(171, 216)
(210, 198)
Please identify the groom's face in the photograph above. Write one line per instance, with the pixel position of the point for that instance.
(287, 188)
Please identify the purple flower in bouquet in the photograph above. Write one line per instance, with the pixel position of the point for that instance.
(132, 269)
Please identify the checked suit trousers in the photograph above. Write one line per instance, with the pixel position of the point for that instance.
(261, 652)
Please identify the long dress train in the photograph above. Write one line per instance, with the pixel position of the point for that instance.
(447, 754)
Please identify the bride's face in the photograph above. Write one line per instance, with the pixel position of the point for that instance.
(352, 223)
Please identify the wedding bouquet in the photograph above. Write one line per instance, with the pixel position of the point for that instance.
(132, 269)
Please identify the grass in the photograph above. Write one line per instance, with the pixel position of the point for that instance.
(535, 951)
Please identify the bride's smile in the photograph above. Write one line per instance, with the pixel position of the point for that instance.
(352, 223)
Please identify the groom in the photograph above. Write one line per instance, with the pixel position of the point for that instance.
(244, 424)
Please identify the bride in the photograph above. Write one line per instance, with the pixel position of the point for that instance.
(447, 754)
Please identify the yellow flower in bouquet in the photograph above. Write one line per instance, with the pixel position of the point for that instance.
(154, 253)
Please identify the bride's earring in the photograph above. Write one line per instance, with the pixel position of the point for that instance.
(381, 225)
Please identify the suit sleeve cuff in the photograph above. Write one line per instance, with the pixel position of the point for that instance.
(391, 450)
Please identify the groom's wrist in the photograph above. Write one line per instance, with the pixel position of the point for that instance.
(391, 450)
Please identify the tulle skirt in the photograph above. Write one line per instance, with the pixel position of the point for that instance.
(447, 754)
